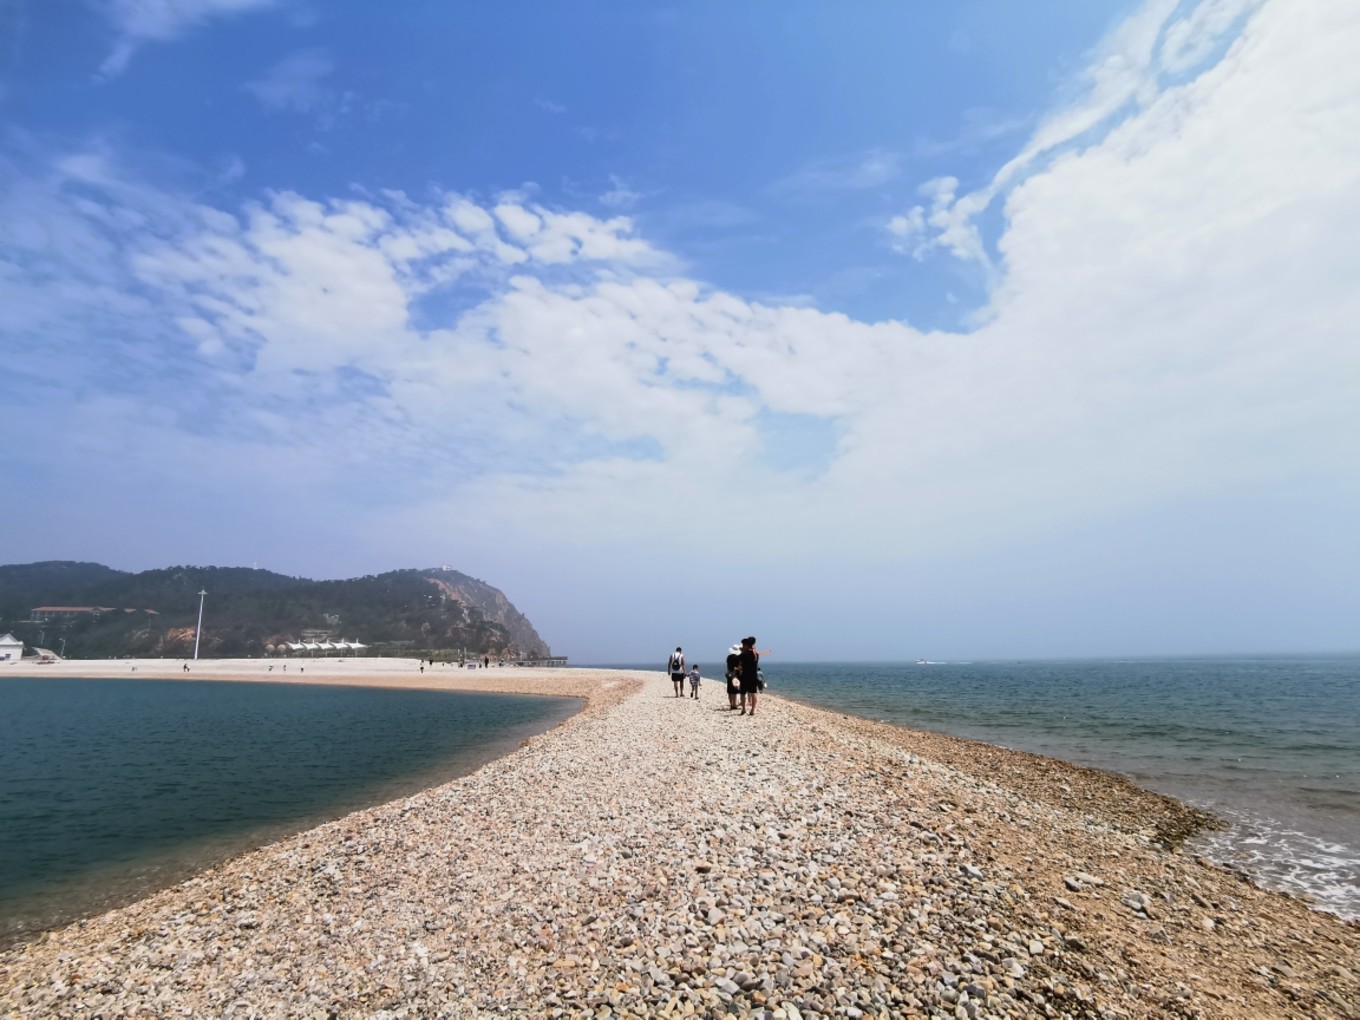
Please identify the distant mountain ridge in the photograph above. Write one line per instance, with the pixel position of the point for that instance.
(247, 611)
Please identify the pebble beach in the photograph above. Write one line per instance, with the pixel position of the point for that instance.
(661, 856)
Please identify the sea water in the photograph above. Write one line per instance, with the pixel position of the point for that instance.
(1269, 744)
(110, 789)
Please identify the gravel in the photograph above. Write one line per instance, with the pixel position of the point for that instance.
(656, 856)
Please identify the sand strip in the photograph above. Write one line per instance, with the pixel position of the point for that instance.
(661, 856)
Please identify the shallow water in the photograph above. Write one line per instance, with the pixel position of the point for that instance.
(112, 788)
(1272, 745)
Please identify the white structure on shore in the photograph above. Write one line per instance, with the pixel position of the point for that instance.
(11, 648)
(324, 647)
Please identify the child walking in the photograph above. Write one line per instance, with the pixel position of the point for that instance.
(694, 681)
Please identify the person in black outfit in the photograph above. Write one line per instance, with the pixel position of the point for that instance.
(733, 683)
(749, 667)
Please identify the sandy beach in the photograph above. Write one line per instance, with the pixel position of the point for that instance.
(655, 856)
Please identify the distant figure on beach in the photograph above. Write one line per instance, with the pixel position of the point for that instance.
(422, 667)
(749, 669)
(694, 681)
(486, 662)
(733, 683)
(186, 667)
(285, 667)
(676, 664)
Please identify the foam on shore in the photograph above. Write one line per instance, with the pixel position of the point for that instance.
(655, 854)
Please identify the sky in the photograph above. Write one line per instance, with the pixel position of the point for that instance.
(967, 330)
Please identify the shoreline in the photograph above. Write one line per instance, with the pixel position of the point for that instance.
(129, 875)
(651, 850)
(1166, 819)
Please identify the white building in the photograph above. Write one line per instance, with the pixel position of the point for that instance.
(11, 648)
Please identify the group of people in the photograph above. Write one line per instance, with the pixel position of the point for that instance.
(744, 680)
(676, 665)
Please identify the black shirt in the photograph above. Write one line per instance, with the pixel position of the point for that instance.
(750, 662)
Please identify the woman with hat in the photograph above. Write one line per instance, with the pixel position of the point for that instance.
(733, 661)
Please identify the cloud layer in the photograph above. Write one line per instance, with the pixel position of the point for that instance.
(1172, 320)
(142, 21)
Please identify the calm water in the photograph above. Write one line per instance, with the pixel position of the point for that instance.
(112, 788)
(1270, 744)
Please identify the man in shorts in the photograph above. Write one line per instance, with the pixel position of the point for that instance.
(676, 665)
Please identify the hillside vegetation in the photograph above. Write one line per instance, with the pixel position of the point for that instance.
(154, 613)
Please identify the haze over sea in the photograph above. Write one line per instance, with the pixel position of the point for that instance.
(1271, 744)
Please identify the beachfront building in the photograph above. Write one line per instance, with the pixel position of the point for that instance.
(322, 647)
(11, 648)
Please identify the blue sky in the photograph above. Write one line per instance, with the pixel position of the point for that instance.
(972, 329)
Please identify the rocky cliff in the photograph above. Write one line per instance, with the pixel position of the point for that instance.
(492, 604)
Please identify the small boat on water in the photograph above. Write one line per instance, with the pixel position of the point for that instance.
(922, 662)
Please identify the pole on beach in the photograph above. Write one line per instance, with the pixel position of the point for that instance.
(198, 631)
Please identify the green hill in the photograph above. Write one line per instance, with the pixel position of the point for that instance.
(53, 582)
(154, 613)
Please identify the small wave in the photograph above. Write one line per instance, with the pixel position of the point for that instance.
(1322, 871)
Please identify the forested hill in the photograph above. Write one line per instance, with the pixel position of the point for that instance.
(246, 611)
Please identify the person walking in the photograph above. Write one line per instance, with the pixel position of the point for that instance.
(694, 681)
(749, 670)
(676, 665)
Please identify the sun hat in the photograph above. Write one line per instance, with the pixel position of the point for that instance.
(734, 650)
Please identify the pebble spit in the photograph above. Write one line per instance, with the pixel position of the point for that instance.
(664, 857)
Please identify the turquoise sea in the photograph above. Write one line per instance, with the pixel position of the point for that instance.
(112, 788)
(1270, 744)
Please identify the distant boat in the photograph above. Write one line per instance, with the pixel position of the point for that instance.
(922, 662)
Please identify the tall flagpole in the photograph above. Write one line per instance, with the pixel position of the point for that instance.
(199, 632)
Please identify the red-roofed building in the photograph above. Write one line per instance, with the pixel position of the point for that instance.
(45, 614)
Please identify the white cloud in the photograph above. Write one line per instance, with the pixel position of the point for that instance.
(520, 222)
(910, 233)
(854, 172)
(1187, 42)
(1174, 319)
(469, 217)
(980, 126)
(946, 223)
(619, 195)
(1121, 78)
(140, 21)
(294, 83)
